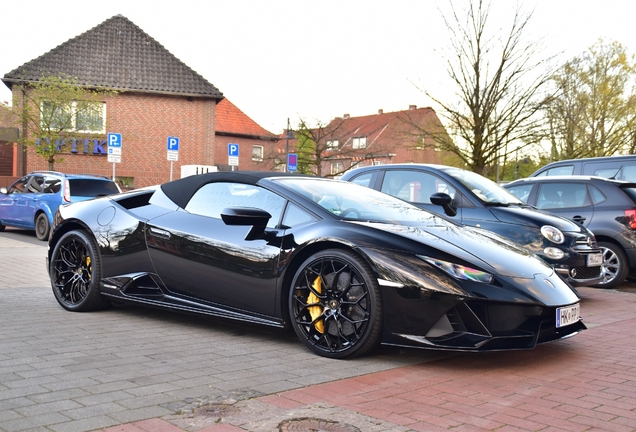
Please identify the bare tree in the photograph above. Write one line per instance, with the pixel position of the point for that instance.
(498, 77)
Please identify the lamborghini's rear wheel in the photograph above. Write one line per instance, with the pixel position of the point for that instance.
(75, 271)
(335, 304)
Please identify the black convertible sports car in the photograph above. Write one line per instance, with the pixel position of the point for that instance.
(346, 266)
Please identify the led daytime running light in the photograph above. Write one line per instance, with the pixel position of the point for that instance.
(459, 271)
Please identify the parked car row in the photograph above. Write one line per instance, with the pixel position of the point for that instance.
(471, 199)
(436, 257)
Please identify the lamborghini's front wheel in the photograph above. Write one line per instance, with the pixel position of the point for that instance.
(75, 272)
(335, 304)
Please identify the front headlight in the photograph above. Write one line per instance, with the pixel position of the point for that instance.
(459, 271)
(553, 234)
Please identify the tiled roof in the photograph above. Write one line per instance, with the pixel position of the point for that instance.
(119, 55)
(232, 121)
(390, 129)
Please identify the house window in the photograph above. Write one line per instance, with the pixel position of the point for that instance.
(257, 153)
(359, 142)
(74, 116)
(337, 168)
(332, 144)
(378, 163)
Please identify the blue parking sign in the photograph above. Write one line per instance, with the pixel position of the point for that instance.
(114, 139)
(233, 149)
(173, 143)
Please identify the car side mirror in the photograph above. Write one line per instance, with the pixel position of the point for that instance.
(247, 216)
(444, 200)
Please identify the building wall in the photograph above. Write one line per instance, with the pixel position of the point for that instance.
(245, 153)
(145, 122)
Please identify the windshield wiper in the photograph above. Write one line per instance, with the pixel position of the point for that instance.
(496, 204)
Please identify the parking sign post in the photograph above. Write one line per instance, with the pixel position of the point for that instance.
(114, 149)
(233, 155)
(173, 152)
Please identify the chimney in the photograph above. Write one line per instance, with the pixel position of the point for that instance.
(380, 111)
(412, 107)
(346, 116)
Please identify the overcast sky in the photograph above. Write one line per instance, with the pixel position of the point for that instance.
(280, 59)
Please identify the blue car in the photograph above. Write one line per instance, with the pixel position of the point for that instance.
(31, 202)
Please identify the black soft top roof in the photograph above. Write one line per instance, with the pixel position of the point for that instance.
(180, 191)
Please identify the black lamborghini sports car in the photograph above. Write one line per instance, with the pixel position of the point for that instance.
(345, 266)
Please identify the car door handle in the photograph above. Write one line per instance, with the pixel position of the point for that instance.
(163, 234)
(579, 219)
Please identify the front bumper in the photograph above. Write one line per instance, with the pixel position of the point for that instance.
(580, 276)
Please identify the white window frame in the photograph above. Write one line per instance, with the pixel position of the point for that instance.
(337, 168)
(359, 142)
(333, 144)
(257, 153)
(376, 163)
(74, 117)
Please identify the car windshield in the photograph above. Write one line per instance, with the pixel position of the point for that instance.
(350, 201)
(486, 190)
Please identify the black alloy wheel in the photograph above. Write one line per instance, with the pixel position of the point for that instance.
(335, 304)
(42, 227)
(614, 268)
(75, 272)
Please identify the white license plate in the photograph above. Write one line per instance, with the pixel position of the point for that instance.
(594, 260)
(568, 315)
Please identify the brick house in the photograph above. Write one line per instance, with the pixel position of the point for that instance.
(158, 97)
(407, 136)
(233, 126)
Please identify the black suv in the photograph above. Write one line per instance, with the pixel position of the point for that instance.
(604, 206)
(471, 199)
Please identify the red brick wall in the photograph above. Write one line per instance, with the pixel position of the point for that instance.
(245, 153)
(145, 122)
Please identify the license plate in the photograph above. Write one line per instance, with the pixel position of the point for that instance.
(594, 260)
(568, 315)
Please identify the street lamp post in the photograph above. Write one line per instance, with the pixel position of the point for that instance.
(288, 136)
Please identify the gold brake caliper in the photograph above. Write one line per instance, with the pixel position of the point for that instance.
(316, 311)
(87, 261)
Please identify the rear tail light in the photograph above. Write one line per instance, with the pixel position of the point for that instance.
(630, 215)
(67, 192)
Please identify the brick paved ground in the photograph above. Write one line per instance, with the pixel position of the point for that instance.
(170, 373)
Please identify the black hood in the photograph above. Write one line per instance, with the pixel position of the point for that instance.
(532, 217)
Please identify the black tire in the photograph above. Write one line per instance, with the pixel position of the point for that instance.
(335, 305)
(75, 272)
(42, 227)
(1, 227)
(615, 266)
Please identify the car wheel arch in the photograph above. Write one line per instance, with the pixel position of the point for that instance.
(299, 258)
(63, 229)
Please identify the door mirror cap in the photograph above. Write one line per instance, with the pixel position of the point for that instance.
(444, 200)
